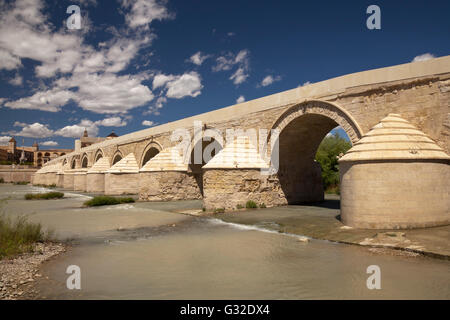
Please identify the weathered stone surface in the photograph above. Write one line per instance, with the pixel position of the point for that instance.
(95, 182)
(168, 185)
(17, 175)
(121, 183)
(395, 177)
(68, 180)
(228, 188)
(392, 195)
(79, 180)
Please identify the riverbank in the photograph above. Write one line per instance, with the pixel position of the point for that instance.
(321, 221)
(18, 274)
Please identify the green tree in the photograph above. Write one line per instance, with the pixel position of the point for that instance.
(327, 156)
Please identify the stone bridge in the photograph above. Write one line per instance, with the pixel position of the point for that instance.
(396, 175)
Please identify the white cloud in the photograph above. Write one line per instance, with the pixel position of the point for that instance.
(268, 80)
(85, 74)
(229, 60)
(8, 61)
(77, 130)
(4, 140)
(19, 124)
(107, 93)
(188, 84)
(239, 76)
(161, 79)
(39, 130)
(423, 57)
(49, 143)
(111, 122)
(17, 80)
(35, 130)
(198, 58)
(50, 100)
(148, 123)
(158, 105)
(240, 99)
(143, 12)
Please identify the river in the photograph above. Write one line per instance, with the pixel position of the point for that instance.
(148, 251)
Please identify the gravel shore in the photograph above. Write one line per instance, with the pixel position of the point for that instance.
(18, 275)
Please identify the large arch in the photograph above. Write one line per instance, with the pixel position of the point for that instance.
(151, 150)
(301, 130)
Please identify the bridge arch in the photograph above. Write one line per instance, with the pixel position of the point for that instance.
(301, 130)
(73, 163)
(151, 150)
(84, 160)
(206, 144)
(324, 108)
(98, 154)
(117, 156)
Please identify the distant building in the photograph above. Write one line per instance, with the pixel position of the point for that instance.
(86, 141)
(32, 154)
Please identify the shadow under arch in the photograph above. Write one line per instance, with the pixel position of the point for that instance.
(98, 155)
(203, 149)
(73, 163)
(301, 129)
(151, 150)
(84, 160)
(116, 157)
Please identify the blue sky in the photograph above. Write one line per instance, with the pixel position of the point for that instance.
(136, 63)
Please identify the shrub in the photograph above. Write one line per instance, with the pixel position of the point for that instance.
(327, 156)
(44, 196)
(239, 206)
(21, 182)
(2, 180)
(251, 204)
(262, 205)
(107, 201)
(219, 210)
(19, 235)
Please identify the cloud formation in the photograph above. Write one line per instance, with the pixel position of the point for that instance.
(77, 71)
(4, 140)
(38, 130)
(49, 143)
(198, 58)
(268, 80)
(240, 99)
(423, 57)
(229, 61)
(148, 123)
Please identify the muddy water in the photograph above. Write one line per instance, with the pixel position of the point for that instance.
(147, 251)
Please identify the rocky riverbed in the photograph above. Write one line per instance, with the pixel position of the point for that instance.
(18, 275)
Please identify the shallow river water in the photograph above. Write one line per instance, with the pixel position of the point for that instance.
(147, 251)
